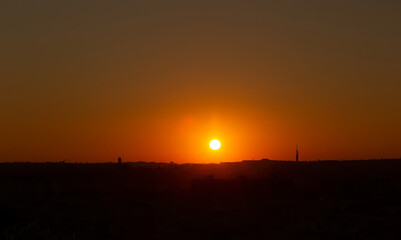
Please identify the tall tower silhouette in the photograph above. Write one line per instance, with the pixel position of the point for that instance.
(296, 154)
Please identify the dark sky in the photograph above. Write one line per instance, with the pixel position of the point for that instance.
(157, 80)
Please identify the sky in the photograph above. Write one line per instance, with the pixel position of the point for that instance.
(92, 80)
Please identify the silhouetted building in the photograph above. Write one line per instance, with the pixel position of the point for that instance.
(296, 154)
(119, 160)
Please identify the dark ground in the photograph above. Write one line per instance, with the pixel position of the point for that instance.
(247, 200)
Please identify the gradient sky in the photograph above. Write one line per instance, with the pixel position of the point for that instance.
(91, 80)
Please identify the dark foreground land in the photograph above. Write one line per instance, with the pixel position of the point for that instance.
(247, 200)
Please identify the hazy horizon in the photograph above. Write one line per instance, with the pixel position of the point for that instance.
(148, 80)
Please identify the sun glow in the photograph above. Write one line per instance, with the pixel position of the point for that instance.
(214, 144)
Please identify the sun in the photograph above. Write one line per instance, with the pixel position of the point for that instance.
(215, 144)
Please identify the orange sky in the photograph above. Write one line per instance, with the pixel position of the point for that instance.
(87, 81)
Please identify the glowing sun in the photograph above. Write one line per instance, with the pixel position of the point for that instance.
(215, 144)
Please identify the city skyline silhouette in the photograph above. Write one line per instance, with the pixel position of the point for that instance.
(200, 119)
